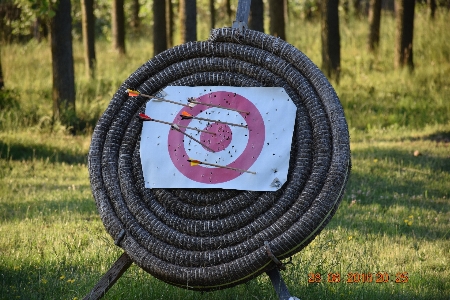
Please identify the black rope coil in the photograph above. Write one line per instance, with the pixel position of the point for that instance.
(208, 239)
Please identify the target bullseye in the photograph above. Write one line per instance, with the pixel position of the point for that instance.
(220, 140)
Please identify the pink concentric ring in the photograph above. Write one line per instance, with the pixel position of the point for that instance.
(213, 175)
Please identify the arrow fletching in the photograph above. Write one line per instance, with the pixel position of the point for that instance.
(194, 162)
(185, 115)
(144, 117)
(132, 93)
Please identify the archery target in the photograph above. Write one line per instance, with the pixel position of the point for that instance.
(214, 239)
(243, 144)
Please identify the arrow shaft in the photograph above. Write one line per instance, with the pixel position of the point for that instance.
(163, 99)
(218, 121)
(218, 106)
(187, 127)
(169, 101)
(193, 138)
(226, 167)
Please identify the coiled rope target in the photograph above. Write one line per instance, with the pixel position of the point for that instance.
(207, 239)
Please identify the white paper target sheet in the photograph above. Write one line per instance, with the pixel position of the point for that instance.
(218, 137)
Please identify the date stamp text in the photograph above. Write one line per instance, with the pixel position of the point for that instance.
(357, 277)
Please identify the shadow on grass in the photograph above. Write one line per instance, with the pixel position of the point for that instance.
(357, 219)
(72, 203)
(68, 281)
(403, 181)
(35, 281)
(439, 137)
(17, 151)
(403, 158)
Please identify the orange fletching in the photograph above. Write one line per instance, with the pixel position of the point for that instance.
(132, 93)
(186, 115)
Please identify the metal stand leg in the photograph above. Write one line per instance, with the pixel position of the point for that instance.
(279, 285)
(242, 13)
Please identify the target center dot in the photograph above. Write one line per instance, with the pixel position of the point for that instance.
(222, 138)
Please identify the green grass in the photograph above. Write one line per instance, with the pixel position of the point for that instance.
(394, 218)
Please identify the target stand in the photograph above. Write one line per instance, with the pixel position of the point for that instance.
(217, 160)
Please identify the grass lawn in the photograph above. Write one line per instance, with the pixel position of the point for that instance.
(394, 219)
(393, 225)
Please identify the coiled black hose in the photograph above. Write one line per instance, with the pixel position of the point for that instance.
(211, 239)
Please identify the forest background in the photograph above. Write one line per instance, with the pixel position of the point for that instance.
(394, 218)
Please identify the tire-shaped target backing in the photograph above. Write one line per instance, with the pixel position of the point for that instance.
(207, 239)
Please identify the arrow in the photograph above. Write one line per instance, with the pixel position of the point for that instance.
(185, 115)
(195, 162)
(193, 103)
(132, 93)
(144, 117)
(175, 126)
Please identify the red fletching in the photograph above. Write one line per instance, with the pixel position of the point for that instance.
(144, 117)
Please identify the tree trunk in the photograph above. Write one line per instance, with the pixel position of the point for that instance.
(212, 14)
(88, 27)
(170, 24)
(36, 30)
(388, 5)
(432, 8)
(286, 11)
(118, 26)
(135, 20)
(159, 27)
(276, 14)
(404, 33)
(2, 83)
(256, 21)
(374, 25)
(331, 48)
(357, 8)
(228, 10)
(188, 20)
(62, 65)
